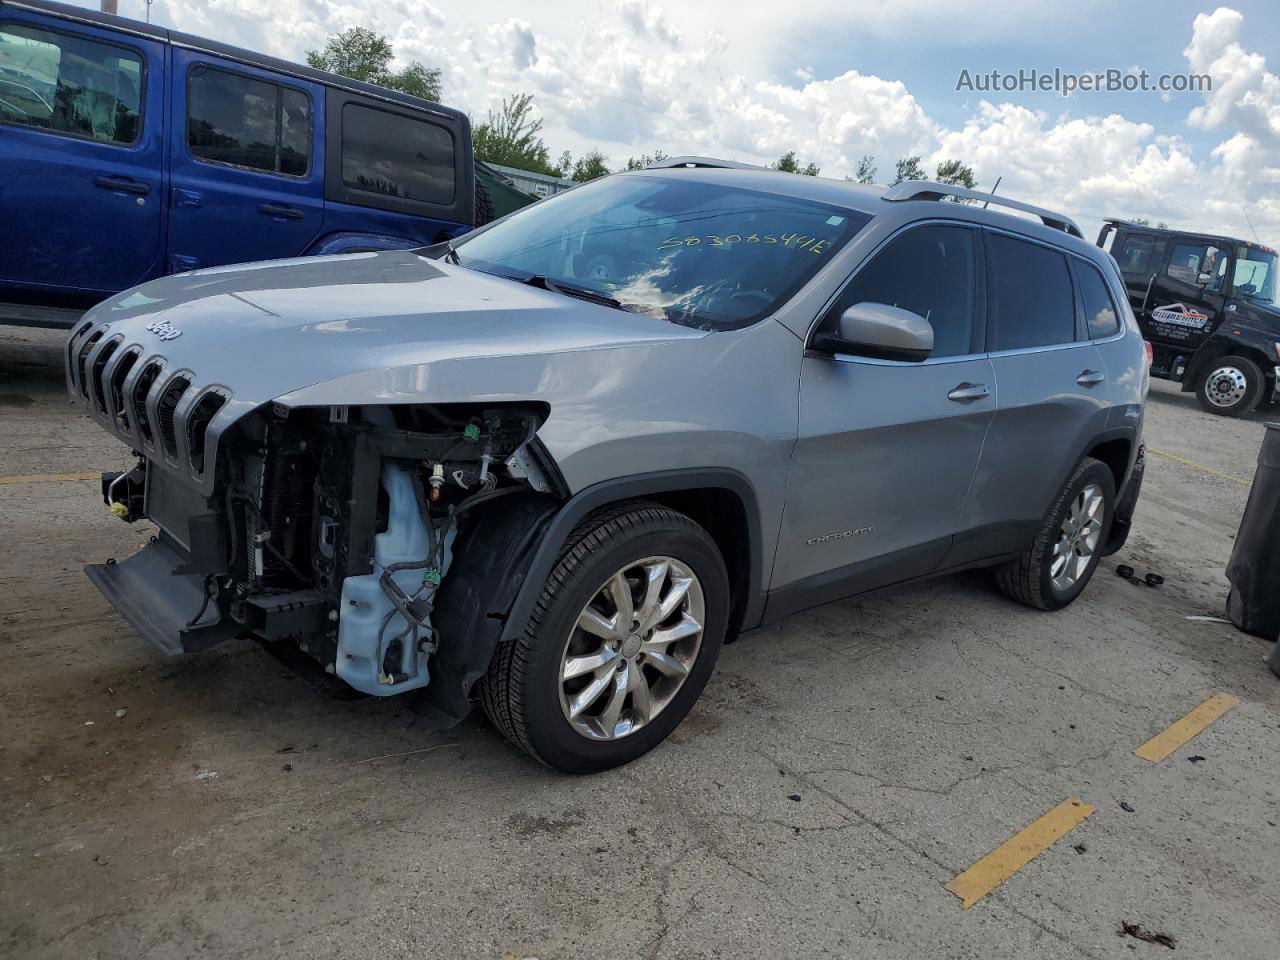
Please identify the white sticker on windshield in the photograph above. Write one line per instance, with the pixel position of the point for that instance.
(834, 221)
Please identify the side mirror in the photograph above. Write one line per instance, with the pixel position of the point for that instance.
(881, 331)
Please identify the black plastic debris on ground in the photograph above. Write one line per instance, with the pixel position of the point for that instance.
(1139, 932)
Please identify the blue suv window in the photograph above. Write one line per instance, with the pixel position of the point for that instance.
(69, 85)
(245, 122)
(396, 156)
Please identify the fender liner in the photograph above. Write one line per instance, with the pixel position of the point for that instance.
(629, 488)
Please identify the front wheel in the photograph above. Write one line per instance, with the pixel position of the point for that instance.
(1056, 567)
(1230, 386)
(620, 644)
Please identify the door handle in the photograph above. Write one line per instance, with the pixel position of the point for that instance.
(1091, 378)
(969, 392)
(280, 210)
(122, 185)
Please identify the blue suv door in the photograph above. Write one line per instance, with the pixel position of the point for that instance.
(81, 155)
(247, 166)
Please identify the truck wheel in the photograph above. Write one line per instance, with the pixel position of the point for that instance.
(1056, 567)
(620, 643)
(1230, 386)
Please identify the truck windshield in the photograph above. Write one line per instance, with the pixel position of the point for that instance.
(685, 250)
(1255, 275)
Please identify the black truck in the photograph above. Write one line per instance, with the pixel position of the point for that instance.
(1206, 304)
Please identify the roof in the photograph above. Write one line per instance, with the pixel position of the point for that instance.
(177, 38)
(1168, 232)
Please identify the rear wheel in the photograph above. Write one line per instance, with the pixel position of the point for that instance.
(621, 642)
(1230, 386)
(1062, 558)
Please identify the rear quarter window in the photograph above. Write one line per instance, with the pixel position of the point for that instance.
(1100, 314)
(396, 156)
(1029, 295)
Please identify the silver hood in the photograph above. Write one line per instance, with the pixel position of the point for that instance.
(210, 346)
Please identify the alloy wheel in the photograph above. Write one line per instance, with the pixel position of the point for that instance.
(1078, 537)
(631, 648)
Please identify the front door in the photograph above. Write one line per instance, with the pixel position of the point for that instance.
(81, 156)
(247, 163)
(1188, 293)
(887, 450)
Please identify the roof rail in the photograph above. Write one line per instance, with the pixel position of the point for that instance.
(928, 190)
(710, 162)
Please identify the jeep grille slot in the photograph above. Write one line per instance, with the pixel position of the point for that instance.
(116, 386)
(82, 357)
(165, 408)
(205, 410)
(138, 403)
(99, 365)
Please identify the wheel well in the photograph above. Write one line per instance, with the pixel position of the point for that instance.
(1214, 350)
(723, 515)
(1115, 454)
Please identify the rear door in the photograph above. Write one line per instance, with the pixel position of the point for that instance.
(1052, 390)
(1188, 292)
(247, 163)
(81, 155)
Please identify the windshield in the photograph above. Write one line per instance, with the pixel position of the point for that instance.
(1255, 275)
(685, 250)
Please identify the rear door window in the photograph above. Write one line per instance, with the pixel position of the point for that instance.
(396, 156)
(1029, 295)
(69, 85)
(930, 271)
(1100, 314)
(241, 121)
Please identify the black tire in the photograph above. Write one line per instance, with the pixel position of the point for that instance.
(1028, 579)
(484, 205)
(521, 690)
(1216, 379)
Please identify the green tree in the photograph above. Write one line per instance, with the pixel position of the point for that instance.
(955, 173)
(590, 166)
(364, 55)
(564, 166)
(1144, 222)
(511, 137)
(787, 163)
(866, 172)
(908, 168)
(646, 160)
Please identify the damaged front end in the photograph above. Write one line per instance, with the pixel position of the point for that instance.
(386, 542)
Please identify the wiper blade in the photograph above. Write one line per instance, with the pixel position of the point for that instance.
(582, 293)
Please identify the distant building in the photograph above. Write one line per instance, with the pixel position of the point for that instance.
(539, 184)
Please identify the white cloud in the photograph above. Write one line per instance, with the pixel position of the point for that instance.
(628, 77)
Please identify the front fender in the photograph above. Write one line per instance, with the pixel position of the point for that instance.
(339, 243)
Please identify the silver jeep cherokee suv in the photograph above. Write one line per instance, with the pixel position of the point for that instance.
(554, 465)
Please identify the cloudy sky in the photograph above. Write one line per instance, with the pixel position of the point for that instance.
(835, 80)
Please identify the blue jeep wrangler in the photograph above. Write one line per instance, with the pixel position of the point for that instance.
(128, 152)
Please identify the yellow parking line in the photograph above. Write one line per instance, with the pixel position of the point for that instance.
(1200, 466)
(49, 477)
(1019, 850)
(1174, 736)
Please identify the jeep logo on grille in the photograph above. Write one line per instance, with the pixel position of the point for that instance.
(164, 329)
